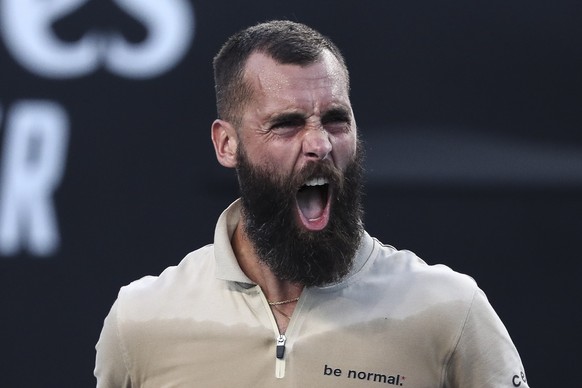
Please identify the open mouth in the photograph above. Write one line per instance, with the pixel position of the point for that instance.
(313, 203)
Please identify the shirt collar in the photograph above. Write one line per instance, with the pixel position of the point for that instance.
(227, 267)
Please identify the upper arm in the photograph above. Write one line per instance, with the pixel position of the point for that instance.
(110, 362)
(484, 355)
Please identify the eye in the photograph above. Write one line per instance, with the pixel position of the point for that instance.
(287, 125)
(337, 121)
(284, 129)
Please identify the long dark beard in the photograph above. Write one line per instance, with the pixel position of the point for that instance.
(310, 258)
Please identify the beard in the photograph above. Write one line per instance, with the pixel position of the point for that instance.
(270, 220)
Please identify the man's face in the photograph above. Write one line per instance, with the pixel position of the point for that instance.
(297, 116)
(300, 170)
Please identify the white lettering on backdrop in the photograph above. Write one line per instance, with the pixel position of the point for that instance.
(35, 138)
(30, 39)
(35, 146)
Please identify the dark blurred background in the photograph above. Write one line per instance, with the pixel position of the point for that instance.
(470, 112)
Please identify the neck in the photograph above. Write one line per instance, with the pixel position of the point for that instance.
(275, 289)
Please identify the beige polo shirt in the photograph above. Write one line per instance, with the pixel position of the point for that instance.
(393, 321)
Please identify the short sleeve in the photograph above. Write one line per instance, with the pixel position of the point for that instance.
(110, 363)
(485, 355)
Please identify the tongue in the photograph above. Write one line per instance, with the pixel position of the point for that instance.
(310, 202)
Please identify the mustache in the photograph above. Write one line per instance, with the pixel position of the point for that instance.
(317, 169)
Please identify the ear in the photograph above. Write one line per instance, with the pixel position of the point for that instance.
(225, 140)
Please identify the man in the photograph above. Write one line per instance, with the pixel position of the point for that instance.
(294, 292)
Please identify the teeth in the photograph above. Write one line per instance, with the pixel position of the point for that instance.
(316, 182)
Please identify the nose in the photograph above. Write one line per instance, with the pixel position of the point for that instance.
(316, 144)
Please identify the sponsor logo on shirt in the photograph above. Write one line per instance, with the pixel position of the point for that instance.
(352, 374)
(519, 379)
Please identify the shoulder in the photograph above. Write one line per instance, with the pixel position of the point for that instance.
(150, 294)
(403, 273)
(405, 267)
(138, 310)
(408, 286)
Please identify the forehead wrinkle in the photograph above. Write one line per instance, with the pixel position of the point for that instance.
(270, 80)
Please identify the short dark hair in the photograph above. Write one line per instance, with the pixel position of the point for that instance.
(285, 41)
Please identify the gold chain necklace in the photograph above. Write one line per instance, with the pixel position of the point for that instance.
(283, 302)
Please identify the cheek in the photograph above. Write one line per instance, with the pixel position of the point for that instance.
(344, 150)
(278, 160)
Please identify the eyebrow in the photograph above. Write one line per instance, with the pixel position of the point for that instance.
(294, 117)
(335, 114)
